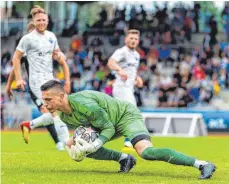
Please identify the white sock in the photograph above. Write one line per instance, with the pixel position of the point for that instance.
(43, 120)
(198, 163)
(123, 156)
(61, 129)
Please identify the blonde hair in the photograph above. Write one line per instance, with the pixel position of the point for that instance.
(36, 9)
(133, 31)
(30, 26)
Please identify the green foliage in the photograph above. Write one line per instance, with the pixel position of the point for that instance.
(39, 162)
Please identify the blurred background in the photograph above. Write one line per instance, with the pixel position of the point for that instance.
(184, 54)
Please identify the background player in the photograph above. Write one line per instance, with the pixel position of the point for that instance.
(125, 62)
(11, 78)
(41, 47)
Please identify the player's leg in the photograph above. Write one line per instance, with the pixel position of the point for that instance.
(44, 120)
(125, 94)
(137, 132)
(126, 161)
(145, 149)
(57, 129)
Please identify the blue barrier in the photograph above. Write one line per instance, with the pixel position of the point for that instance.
(35, 113)
(216, 120)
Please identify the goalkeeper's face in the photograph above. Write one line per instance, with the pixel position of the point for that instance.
(53, 100)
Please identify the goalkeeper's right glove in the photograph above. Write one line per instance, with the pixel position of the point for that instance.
(86, 147)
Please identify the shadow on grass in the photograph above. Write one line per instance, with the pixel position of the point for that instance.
(164, 174)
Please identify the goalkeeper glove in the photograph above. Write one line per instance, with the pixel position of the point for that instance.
(86, 147)
(75, 153)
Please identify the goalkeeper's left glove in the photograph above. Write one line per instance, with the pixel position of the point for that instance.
(86, 147)
(75, 153)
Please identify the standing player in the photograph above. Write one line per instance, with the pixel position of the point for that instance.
(9, 93)
(112, 118)
(125, 62)
(41, 47)
(11, 77)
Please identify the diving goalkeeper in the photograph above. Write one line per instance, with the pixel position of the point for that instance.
(112, 118)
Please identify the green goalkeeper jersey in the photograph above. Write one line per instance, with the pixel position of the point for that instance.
(91, 108)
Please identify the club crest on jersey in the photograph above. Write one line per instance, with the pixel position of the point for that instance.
(50, 40)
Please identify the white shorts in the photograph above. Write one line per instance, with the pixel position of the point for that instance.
(35, 94)
(125, 94)
(35, 91)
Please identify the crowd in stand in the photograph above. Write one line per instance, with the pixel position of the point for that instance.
(194, 75)
(173, 29)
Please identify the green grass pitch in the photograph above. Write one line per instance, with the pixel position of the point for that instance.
(39, 162)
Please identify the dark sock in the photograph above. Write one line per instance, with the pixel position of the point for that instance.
(52, 131)
(105, 154)
(167, 155)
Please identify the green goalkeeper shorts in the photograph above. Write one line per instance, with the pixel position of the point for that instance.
(132, 125)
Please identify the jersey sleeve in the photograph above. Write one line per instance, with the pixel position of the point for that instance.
(118, 55)
(56, 45)
(23, 45)
(98, 118)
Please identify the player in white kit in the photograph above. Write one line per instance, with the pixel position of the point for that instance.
(41, 47)
(125, 62)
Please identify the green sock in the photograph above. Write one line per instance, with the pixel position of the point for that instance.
(105, 154)
(167, 155)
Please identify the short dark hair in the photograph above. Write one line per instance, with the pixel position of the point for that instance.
(52, 84)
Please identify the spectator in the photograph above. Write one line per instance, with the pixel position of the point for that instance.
(103, 15)
(77, 84)
(143, 12)
(108, 88)
(185, 99)
(6, 71)
(76, 43)
(14, 13)
(206, 93)
(133, 12)
(226, 28)
(196, 12)
(50, 24)
(198, 72)
(6, 56)
(120, 26)
(96, 42)
(187, 26)
(164, 53)
(214, 31)
(72, 30)
(115, 39)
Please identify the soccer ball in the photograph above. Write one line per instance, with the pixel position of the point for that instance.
(86, 133)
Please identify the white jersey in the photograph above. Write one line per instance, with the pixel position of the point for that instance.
(38, 49)
(129, 60)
